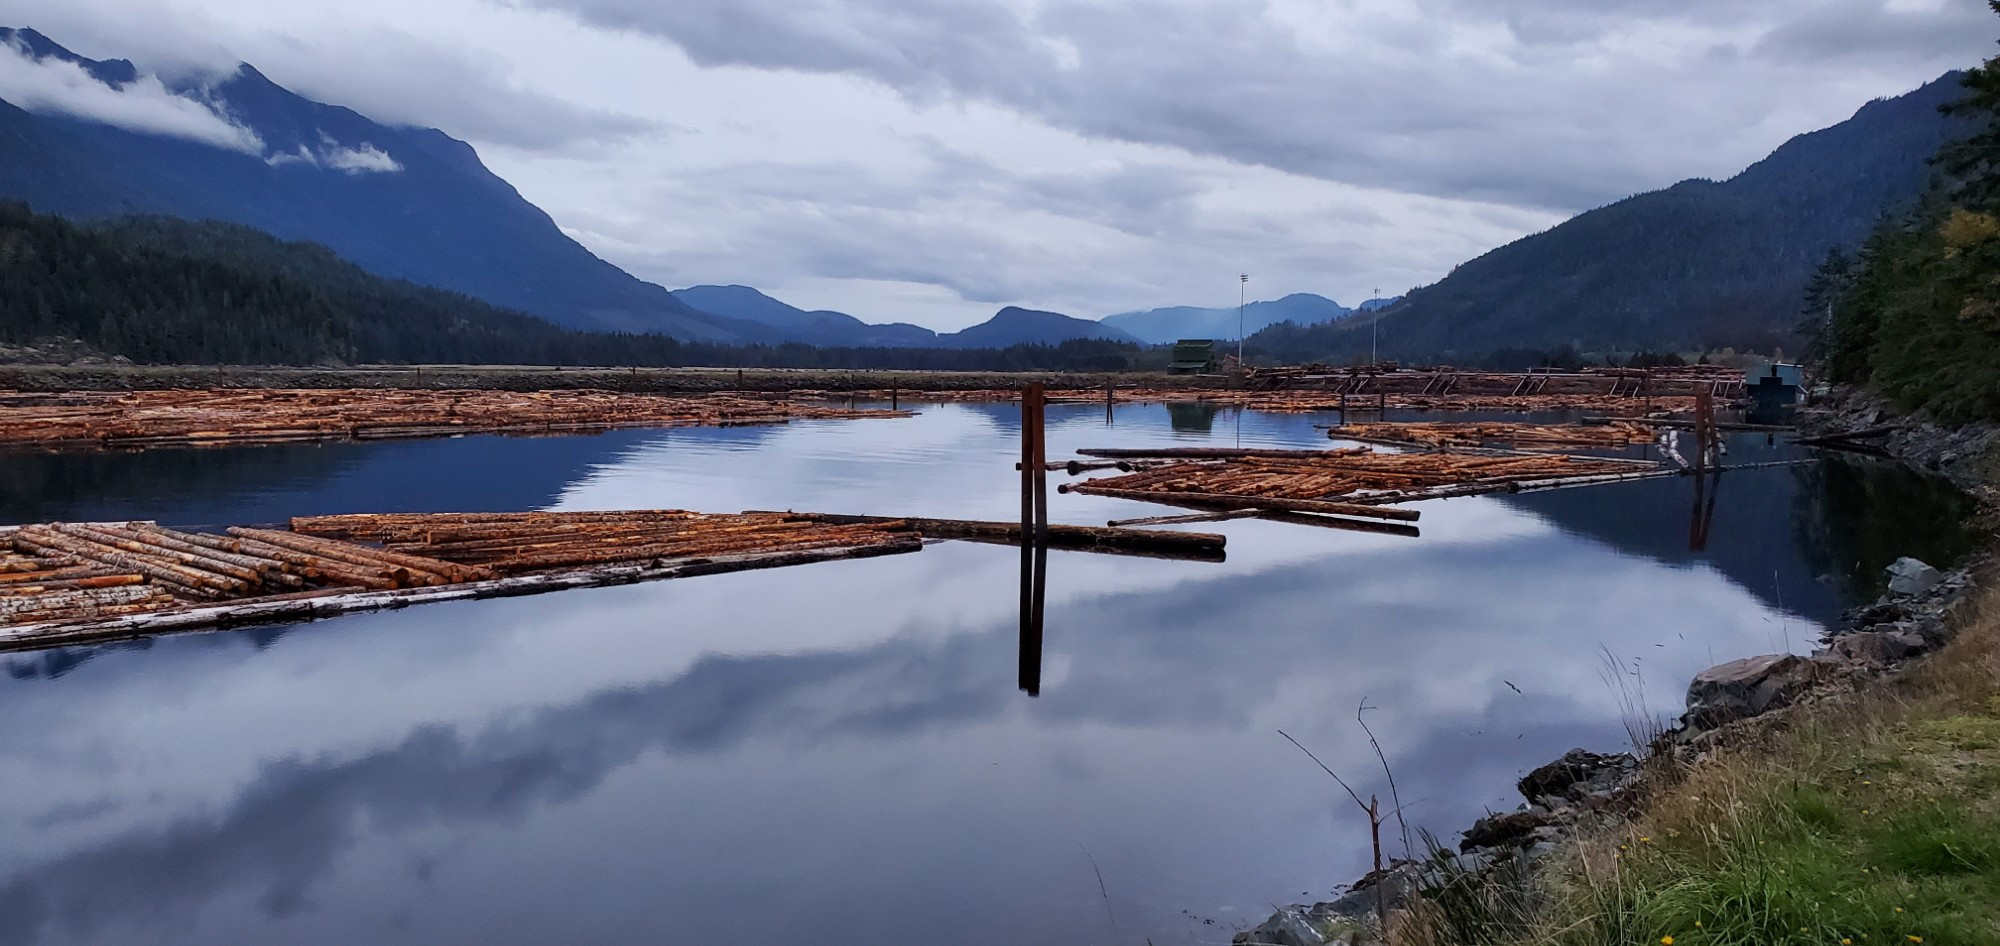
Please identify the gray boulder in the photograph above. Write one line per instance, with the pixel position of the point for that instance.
(1512, 829)
(1909, 577)
(1749, 687)
(1930, 628)
(1885, 611)
(1284, 928)
(1386, 890)
(1879, 648)
(1577, 774)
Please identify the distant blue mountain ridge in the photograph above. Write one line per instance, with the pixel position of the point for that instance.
(1164, 326)
(1010, 326)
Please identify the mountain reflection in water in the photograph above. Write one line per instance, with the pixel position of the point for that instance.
(843, 751)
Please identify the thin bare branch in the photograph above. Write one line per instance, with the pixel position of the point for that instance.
(1393, 795)
(1343, 782)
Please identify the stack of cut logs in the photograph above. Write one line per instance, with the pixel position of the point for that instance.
(1305, 402)
(1613, 435)
(34, 588)
(81, 569)
(1356, 476)
(1055, 394)
(156, 418)
(514, 543)
(63, 572)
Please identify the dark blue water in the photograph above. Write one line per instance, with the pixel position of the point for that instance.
(838, 753)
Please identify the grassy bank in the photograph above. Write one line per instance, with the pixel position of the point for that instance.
(1870, 817)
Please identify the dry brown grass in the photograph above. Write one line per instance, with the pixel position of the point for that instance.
(1869, 815)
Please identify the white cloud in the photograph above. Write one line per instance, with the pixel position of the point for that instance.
(300, 156)
(364, 158)
(143, 105)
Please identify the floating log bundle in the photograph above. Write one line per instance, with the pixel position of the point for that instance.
(521, 543)
(1342, 482)
(67, 570)
(1309, 400)
(63, 582)
(164, 418)
(70, 582)
(1611, 434)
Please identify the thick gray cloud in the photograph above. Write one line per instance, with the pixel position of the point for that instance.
(1551, 108)
(929, 160)
(995, 235)
(1863, 30)
(393, 76)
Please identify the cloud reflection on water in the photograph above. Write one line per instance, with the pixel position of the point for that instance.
(841, 748)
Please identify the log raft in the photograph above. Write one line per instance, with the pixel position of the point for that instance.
(1352, 482)
(1610, 434)
(66, 583)
(141, 419)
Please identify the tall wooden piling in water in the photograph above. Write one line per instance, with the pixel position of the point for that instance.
(1034, 464)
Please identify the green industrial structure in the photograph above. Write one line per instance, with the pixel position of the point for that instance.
(1194, 356)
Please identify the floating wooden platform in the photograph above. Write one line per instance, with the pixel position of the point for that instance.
(137, 419)
(64, 583)
(1351, 481)
(1611, 434)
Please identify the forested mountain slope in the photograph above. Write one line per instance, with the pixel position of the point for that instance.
(1700, 264)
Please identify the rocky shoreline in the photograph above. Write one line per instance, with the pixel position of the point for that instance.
(1586, 792)
(1968, 455)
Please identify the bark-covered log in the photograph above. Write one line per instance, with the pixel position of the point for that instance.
(1060, 536)
(1256, 502)
(182, 580)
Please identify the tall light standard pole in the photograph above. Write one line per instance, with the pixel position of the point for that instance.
(1374, 331)
(1242, 296)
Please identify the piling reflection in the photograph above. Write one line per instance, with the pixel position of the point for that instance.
(1195, 417)
(1034, 594)
(1707, 487)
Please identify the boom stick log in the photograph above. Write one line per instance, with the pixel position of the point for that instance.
(1218, 501)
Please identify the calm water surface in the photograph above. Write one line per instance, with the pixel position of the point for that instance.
(838, 753)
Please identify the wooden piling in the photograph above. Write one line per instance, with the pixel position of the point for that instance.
(1034, 594)
(1034, 463)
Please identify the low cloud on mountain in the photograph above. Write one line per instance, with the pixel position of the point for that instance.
(145, 104)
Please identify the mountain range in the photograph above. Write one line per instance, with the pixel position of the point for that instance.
(1167, 325)
(1700, 265)
(742, 303)
(1010, 326)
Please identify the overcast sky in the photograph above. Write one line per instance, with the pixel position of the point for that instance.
(932, 160)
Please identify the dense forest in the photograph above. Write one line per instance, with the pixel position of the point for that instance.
(1915, 313)
(159, 290)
